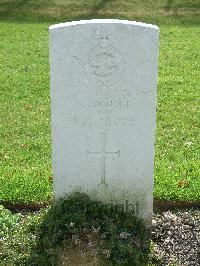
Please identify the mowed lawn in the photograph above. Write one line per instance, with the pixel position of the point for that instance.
(25, 136)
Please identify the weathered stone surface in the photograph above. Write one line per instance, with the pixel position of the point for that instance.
(103, 102)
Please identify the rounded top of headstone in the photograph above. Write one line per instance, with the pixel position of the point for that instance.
(102, 21)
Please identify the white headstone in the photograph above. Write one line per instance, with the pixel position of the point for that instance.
(103, 104)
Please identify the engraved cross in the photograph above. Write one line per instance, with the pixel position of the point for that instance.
(103, 154)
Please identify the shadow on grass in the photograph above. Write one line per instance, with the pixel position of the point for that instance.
(169, 5)
(166, 12)
(78, 229)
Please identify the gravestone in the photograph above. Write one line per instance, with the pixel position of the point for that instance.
(103, 105)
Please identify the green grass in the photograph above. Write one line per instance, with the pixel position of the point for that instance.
(25, 145)
(177, 141)
(160, 12)
(25, 142)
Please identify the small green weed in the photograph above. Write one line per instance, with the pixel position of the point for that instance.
(7, 221)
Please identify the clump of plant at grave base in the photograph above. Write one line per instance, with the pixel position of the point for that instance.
(78, 229)
(78, 225)
(7, 221)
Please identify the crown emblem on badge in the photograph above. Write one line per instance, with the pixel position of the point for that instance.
(104, 62)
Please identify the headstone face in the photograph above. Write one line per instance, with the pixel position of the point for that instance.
(103, 103)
